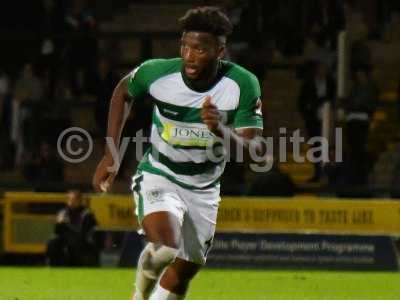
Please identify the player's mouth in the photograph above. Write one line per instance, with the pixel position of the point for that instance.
(191, 71)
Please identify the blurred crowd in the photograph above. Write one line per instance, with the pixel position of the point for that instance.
(36, 100)
(67, 66)
(305, 34)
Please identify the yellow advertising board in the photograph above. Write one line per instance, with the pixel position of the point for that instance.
(310, 215)
(26, 231)
(114, 212)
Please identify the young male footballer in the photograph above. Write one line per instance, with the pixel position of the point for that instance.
(198, 98)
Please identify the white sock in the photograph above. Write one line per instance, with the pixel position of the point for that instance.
(160, 293)
(151, 263)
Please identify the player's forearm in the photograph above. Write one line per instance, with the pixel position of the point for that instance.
(242, 141)
(116, 119)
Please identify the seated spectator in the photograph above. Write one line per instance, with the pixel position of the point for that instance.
(44, 167)
(73, 244)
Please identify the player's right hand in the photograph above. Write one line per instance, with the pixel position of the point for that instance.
(211, 116)
(103, 178)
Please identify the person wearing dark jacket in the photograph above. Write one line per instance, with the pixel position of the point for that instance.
(316, 89)
(73, 244)
(359, 108)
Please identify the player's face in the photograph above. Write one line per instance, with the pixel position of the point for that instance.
(200, 52)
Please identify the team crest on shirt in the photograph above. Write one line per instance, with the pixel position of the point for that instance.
(154, 195)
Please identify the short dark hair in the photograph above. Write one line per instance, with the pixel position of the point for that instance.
(209, 19)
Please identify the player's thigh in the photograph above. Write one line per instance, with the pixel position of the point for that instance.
(162, 228)
(199, 225)
(159, 208)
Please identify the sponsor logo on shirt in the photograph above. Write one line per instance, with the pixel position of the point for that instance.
(186, 136)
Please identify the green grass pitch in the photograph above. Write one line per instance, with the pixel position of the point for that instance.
(107, 284)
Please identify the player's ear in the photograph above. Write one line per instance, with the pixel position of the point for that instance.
(221, 51)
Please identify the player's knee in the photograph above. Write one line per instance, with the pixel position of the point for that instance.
(172, 243)
(155, 258)
(164, 254)
(166, 240)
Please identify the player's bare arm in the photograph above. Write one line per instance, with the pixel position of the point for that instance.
(104, 177)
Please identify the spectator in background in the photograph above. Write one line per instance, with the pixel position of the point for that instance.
(359, 108)
(26, 112)
(73, 244)
(317, 88)
(101, 83)
(44, 167)
(30, 83)
(19, 114)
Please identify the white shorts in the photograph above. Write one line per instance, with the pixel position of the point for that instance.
(196, 211)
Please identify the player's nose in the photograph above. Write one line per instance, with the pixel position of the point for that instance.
(189, 56)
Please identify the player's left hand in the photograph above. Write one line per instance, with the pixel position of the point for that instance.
(211, 116)
(103, 178)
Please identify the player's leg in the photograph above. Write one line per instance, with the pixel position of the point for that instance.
(197, 233)
(175, 280)
(163, 232)
(160, 213)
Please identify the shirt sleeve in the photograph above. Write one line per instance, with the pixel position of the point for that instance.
(138, 81)
(249, 112)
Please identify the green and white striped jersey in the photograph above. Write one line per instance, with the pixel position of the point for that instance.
(178, 136)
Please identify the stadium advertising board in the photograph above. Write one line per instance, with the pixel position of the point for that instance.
(114, 213)
(303, 250)
(27, 232)
(309, 215)
(299, 214)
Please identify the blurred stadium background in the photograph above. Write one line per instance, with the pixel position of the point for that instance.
(59, 62)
